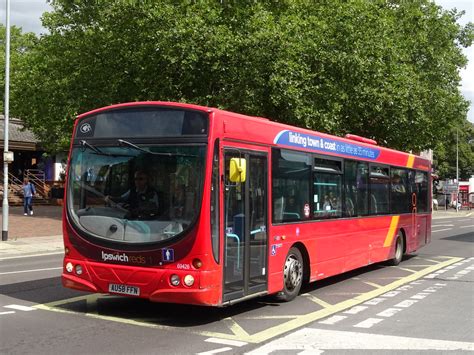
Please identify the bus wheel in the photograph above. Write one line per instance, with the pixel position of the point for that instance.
(292, 275)
(398, 251)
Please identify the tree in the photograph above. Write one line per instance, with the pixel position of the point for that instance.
(462, 137)
(20, 44)
(387, 70)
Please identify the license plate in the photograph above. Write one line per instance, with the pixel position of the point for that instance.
(124, 289)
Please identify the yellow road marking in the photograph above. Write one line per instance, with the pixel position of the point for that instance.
(271, 317)
(373, 284)
(311, 317)
(235, 328)
(317, 300)
(91, 297)
(404, 268)
(391, 231)
(240, 334)
(421, 265)
(430, 260)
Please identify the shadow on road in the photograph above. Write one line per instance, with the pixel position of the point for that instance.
(466, 237)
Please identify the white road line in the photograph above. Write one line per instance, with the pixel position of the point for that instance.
(31, 255)
(226, 341)
(443, 225)
(389, 312)
(420, 296)
(406, 303)
(332, 320)
(8, 312)
(216, 351)
(391, 294)
(34, 270)
(368, 323)
(20, 308)
(356, 309)
(472, 227)
(375, 301)
(314, 341)
(441, 230)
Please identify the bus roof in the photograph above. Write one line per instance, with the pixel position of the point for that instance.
(253, 129)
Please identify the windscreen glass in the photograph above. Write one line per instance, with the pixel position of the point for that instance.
(135, 195)
(142, 122)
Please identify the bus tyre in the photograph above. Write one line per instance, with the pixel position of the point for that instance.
(292, 275)
(398, 251)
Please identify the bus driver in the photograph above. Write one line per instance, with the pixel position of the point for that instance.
(141, 201)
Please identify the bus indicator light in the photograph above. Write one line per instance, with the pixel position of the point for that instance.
(197, 263)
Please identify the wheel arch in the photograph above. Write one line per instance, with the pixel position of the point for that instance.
(306, 260)
(404, 235)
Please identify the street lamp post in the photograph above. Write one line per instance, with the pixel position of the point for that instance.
(457, 169)
(7, 156)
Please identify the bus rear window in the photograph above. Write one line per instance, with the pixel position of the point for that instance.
(144, 122)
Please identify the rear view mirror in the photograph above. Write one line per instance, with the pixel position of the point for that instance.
(237, 170)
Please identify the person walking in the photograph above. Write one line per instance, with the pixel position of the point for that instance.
(28, 193)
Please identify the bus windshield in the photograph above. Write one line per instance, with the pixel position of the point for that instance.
(135, 194)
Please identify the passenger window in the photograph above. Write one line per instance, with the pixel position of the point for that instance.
(291, 176)
(400, 198)
(421, 189)
(356, 188)
(379, 189)
(327, 188)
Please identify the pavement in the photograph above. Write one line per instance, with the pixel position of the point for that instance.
(41, 234)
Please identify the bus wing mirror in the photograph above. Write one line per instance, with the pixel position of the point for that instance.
(238, 170)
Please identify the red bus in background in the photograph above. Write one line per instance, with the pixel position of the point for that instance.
(188, 204)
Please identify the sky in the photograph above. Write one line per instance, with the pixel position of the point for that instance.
(27, 13)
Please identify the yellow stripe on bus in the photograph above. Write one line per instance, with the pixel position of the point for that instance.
(411, 161)
(391, 231)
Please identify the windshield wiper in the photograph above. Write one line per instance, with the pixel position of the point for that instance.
(97, 151)
(90, 146)
(131, 145)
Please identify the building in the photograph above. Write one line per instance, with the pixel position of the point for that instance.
(29, 159)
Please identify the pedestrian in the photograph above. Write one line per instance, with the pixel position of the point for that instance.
(28, 193)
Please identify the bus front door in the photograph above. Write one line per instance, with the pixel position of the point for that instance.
(245, 227)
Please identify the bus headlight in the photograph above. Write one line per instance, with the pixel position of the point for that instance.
(79, 269)
(188, 280)
(174, 279)
(69, 267)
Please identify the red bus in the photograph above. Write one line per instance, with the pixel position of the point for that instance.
(188, 204)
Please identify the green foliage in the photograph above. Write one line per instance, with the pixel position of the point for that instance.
(461, 137)
(387, 70)
(20, 45)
